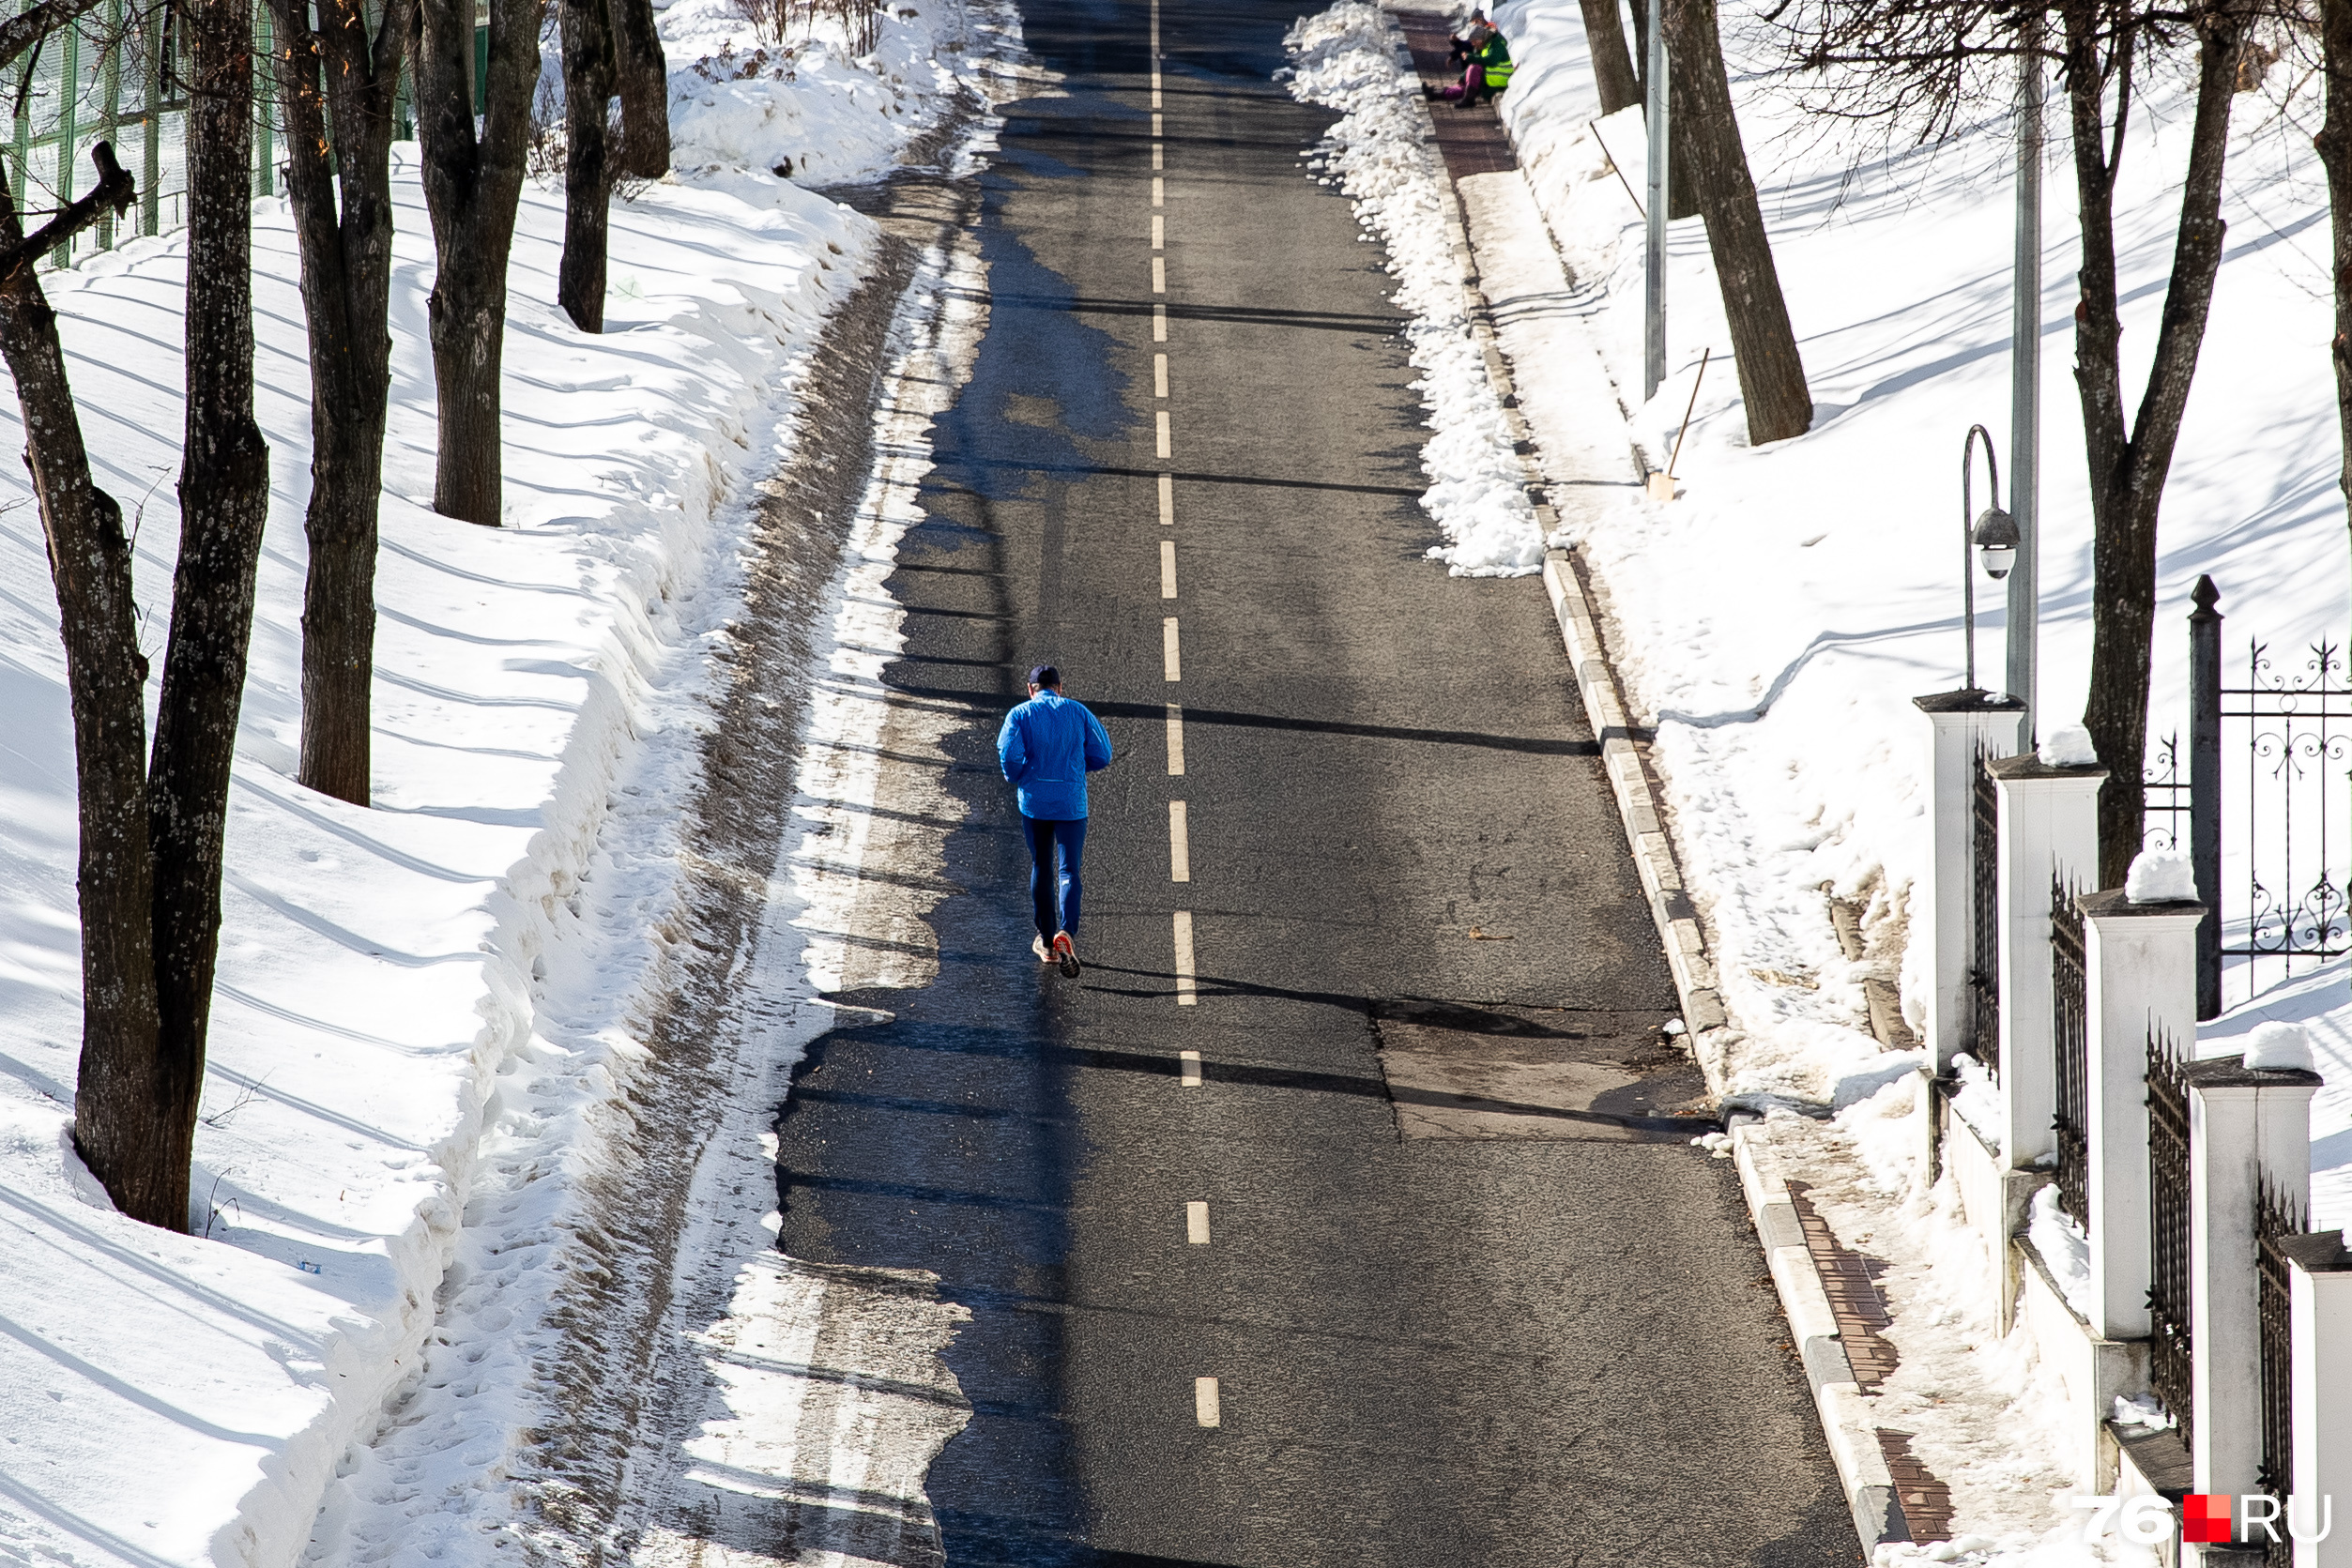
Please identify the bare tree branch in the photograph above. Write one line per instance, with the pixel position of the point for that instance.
(114, 193)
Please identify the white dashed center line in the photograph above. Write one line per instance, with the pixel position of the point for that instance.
(1156, 164)
(1204, 1402)
(1159, 324)
(1163, 432)
(1155, 127)
(1167, 500)
(1159, 275)
(1175, 740)
(1179, 845)
(1188, 994)
(1196, 1224)
(1187, 1070)
(1170, 663)
(1168, 568)
(1159, 232)
(1159, 192)
(1159, 376)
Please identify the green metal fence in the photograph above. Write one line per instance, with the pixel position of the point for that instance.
(118, 75)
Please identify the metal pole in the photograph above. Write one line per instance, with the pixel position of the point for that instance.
(1654, 265)
(2026, 389)
(2204, 786)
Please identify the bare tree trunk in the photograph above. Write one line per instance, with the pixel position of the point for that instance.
(589, 71)
(1771, 374)
(644, 91)
(1613, 68)
(2334, 142)
(225, 500)
(2128, 465)
(471, 184)
(123, 1082)
(338, 88)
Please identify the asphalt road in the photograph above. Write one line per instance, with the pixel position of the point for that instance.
(1467, 1294)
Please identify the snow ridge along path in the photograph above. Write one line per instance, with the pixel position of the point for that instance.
(1344, 58)
(431, 1015)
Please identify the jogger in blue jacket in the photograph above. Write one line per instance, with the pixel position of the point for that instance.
(1047, 748)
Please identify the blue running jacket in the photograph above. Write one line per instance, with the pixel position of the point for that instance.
(1048, 747)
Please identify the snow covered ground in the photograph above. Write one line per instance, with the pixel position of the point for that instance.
(1775, 621)
(434, 999)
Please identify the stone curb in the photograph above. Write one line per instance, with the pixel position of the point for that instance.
(1845, 1418)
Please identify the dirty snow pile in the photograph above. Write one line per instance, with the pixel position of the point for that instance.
(431, 998)
(1344, 59)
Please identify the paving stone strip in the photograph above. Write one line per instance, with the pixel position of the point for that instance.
(1850, 1280)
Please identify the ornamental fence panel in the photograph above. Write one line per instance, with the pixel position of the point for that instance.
(2276, 1217)
(1984, 915)
(2069, 1032)
(2265, 810)
(2169, 1332)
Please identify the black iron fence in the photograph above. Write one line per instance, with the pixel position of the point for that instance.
(2069, 1026)
(2271, 773)
(2276, 1217)
(1984, 916)
(2165, 811)
(2169, 1340)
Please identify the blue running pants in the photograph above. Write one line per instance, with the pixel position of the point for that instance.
(1054, 849)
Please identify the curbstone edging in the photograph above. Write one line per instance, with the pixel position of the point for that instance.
(1653, 859)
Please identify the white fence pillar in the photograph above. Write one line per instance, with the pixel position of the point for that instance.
(2049, 821)
(1961, 726)
(2246, 1126)
(2140, 974)
(2320, 1285)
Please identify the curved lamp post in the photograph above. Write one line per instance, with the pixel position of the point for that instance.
(1992, 536)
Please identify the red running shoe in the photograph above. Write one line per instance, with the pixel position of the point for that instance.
(1066, 952)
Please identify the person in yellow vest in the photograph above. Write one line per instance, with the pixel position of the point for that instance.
(1486, 61)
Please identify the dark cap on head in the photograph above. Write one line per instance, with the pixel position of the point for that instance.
(1044, 674)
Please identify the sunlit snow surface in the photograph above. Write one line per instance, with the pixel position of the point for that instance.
(408, 992)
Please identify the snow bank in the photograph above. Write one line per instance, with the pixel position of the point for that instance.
(413, 996)
(1345, 58)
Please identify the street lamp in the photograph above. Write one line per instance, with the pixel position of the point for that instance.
(1991, 536)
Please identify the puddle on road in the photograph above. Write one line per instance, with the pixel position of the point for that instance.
(1456, 1070)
